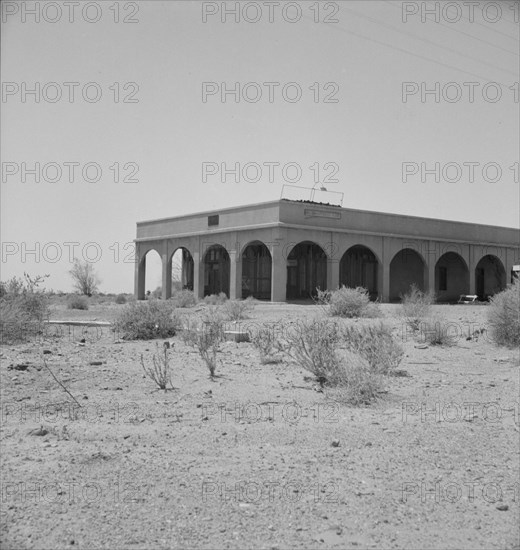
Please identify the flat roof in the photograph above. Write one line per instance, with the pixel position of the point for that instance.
(321, 205)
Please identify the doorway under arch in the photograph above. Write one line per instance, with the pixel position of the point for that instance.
(306, 270)
(256, 271)
(216, 270)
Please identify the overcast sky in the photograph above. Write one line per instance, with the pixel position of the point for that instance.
(137, 96)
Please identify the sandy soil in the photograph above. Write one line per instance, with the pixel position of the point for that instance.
(257, 458)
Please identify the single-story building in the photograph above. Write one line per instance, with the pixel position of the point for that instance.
(284, 250)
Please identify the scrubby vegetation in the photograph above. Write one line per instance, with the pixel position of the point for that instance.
(236, 310)
(504, 316)
(23, 307)
(160, 371)
(184, 298)
(353, 382)
(268, 345)
(376, 344)
(145, 320)
(349, 302)
(76, 301)
(121, 299)
(319, 347)
(435, 330)
(416, 306)
(215, 299)
(206, 338)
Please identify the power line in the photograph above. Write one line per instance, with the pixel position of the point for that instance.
(464, 33)
(413, 54)
(425, 40)
(488, 28)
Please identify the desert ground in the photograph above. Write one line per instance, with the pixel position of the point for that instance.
(259, 457)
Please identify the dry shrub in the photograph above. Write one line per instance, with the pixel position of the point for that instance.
(184, 298)
(314, 346)
(504, 316)
(434, 330)
(120, 299)
(376, 344)
(237, 310)
(75, 301)
(145, 320)
(206, 338)
(267, 344)
(160, 373)
(353, 382)
(416, 305)
(351, 303)
(23, 308)
(215, 299)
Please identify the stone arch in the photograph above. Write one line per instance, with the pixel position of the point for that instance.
(490, 277)
(306, 270)
(217, 266)
(183, 269)
(406, 268)
(150, 270)
(451, 277)
(359, 267)
(256, 271)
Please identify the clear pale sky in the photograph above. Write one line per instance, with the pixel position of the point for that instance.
(168, 132)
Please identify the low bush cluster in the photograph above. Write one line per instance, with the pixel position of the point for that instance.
(349, 362)
(504, 316)
(23, 307)
(416, 306)
(77, 301)
(145, 320)
(351, 303)
(215, 299)
(376, 344)
(121, 299)
(236, 310)
(184, 298)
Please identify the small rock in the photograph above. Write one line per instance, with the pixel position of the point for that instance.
(96, 363)
(20, 366)
(503, 507)
(47, 352)
(421, 346)
(41, 431)
(335, 443)
(82, 341)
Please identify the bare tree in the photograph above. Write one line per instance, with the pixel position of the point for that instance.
(84, 278)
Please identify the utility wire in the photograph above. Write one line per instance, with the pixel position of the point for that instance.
(487, 27)
(413, 54)
(462, 32)
(426, 40)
